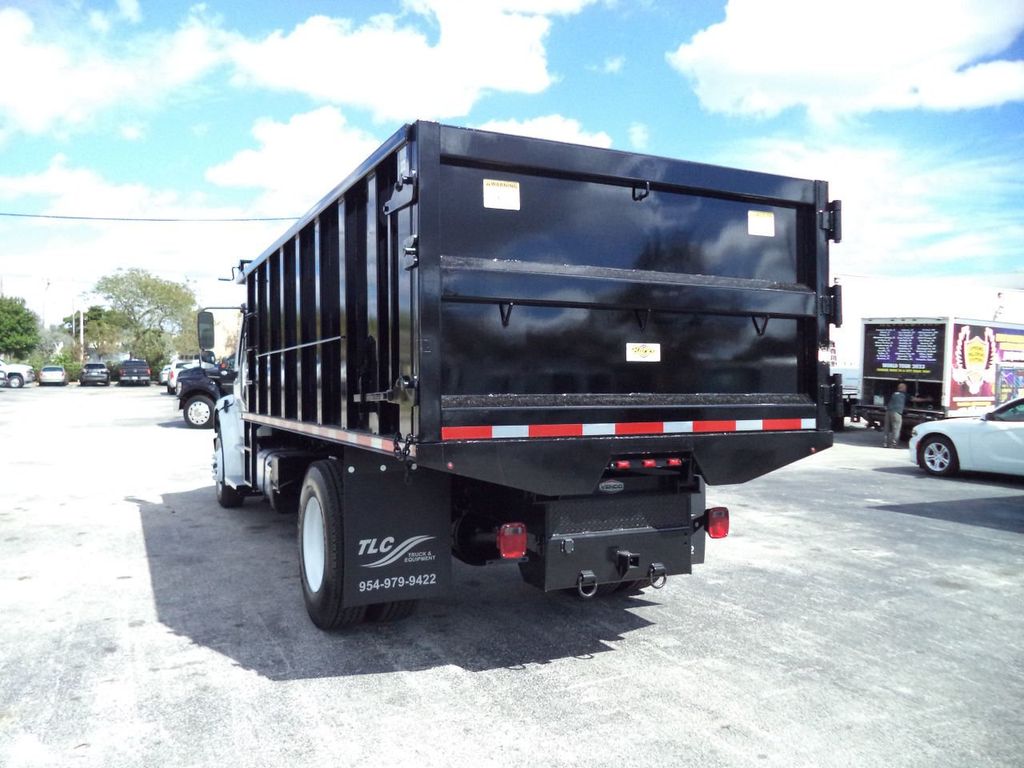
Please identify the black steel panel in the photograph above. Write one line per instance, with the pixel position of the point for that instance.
(575, 222)
(499, 151)
(584, 351)
(492, 281)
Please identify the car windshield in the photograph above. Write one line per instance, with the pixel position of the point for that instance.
(53, 368)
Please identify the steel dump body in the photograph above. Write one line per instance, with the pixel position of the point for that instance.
(501, 348)
(521, 311)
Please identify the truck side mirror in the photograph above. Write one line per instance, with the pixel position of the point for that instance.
(204, 323)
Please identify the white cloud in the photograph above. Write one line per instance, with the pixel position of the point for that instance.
(66, 79)
(129, 10)
(297, 162)
(131, 132)
(855, 57)
(553, 127)
(435, 59)
(613, 65)
(920, 212)
(99, 22)
(52, 263)
(389, 65)
(639, 136)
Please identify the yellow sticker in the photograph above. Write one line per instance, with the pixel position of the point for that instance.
(761, 223)
(503, 195)
(639, 352)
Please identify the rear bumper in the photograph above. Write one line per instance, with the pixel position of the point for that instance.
(626, 537)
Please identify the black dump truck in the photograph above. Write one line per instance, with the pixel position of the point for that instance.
(507, 349)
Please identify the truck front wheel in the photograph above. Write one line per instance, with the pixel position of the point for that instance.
(321, 547)
(227, 496)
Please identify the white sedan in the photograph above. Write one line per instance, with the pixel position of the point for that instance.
(991, 443)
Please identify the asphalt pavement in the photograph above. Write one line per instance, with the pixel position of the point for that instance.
(859, 614)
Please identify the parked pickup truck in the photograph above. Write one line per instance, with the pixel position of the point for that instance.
(133, 372)
(197, 389)
(17, 375)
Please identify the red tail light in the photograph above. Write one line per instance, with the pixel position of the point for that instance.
(512, 541)
(650, 462)
(717, 522)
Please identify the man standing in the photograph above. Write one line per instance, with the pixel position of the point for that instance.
(894, 416)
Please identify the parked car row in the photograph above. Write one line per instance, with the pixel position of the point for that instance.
(129, 372)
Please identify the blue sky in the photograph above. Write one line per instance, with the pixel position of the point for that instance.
(912, 110)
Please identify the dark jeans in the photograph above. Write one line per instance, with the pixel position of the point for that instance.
(893, 424)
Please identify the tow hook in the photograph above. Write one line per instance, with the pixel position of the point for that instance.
(586, 584)
(658, 575)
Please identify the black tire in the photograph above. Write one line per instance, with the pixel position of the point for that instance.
(322, 547)
(198, 412)
(937, 456)
(393, 611)
(227, 496)
(14, 381)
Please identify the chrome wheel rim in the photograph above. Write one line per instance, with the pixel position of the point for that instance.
(313, 550)
(199, 412)
(937, 457)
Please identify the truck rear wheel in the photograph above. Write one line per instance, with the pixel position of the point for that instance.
(393, 611)
(321, 547)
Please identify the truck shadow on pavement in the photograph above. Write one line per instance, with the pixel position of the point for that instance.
(228, 579)
(1002, 513)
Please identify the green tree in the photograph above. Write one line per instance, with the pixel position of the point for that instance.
(19, 327)
(155, 311)
(105, 331)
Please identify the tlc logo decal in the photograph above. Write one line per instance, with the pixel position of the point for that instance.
(387, 547)
(371, 547)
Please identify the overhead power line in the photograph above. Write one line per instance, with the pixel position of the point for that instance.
(146, 218)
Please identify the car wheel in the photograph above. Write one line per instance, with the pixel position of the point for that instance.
(198, 412)
(937, 456)
(322, 547)
(14, 381)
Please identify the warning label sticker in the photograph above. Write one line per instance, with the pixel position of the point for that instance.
(503, 195)
(761, 223)
(638, 352)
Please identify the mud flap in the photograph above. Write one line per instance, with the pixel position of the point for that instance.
(396, 523)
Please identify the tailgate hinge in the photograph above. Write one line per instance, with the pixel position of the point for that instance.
(832, 305)
(403, 195)
(831, 220)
